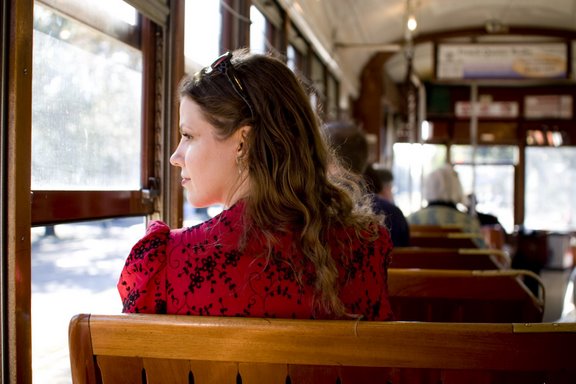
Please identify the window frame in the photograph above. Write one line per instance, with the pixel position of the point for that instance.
(60, 206)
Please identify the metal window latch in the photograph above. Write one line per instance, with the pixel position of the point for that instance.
(153, 190)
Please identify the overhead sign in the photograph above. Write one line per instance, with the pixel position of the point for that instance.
(493, 109)
(502, 61)
(548, 107)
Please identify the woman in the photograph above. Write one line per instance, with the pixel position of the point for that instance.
(295, 240)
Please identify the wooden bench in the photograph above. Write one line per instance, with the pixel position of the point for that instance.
(444, 239)
(449, 258)
(464, 296)
(167, 349)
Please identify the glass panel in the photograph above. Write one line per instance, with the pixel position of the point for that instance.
(75, 268)
(201, 33)
(86, 92)
(550, 188)
(496, 154)
(494, 190)
(258, 41)
(291, 58)
(412, 162)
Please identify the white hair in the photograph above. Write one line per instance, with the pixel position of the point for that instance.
(444, 185)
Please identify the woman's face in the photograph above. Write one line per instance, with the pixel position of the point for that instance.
(208, 164)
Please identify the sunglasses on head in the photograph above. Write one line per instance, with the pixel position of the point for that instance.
(224, 66)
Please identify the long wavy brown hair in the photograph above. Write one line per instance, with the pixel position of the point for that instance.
(296, 184)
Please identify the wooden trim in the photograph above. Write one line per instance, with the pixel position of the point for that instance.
(18, 195)
(53, 207)
(346, 343)
(173, 197)
(4, 182)
(81, 358)
(100, 21)
(149, 110)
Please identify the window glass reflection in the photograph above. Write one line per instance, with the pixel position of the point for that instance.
(86, 103)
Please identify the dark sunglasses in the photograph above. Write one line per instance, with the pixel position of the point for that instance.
(223, 65)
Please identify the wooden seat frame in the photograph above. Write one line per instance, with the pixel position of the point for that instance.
(449, 258)
(170, 349)
(490, 296)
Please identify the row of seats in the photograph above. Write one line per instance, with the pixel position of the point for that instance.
(462, 316)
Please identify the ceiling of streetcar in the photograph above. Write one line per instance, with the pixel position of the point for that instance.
(352, 31)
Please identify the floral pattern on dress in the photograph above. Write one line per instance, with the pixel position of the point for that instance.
(201, 270)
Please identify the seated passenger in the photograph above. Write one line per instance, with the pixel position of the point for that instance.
(351, 146)
(443, 192)
(380, 181)
(296, 238)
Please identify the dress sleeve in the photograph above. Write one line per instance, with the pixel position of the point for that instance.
(142, 283)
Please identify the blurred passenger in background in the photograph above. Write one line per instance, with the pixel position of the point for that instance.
(443, 193)
(380, 181)
(351, 146)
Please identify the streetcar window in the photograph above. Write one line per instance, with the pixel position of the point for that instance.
(412, 162)
(550, 202)
(201, 33)
(87, 94)
(258, 41)
(75, 268)
(488, 172)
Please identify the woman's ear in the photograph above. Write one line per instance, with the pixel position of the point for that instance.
(242, 134)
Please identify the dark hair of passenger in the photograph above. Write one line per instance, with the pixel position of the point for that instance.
(349, 144)
(294, 184)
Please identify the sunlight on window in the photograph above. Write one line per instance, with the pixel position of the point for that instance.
(257, 31)
(118, 9)
(75, 269)
(551, 188)
(86, 101)
(201, 33)
(411, 163)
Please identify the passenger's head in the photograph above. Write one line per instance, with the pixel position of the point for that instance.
(443, 185)
(349, 144)
(380, 181)
(266, 138)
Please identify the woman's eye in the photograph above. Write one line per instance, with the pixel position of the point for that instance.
(186, 136)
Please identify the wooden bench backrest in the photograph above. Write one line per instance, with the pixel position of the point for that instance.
(444, 239)
(414, 228)
(167, 349)
(449, 258)
(464, 296)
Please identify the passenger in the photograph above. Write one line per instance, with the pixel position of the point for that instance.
(443, 192)
(351, 146)
(380, 181)
(295, 240)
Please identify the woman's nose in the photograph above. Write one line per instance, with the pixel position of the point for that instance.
(175, 158)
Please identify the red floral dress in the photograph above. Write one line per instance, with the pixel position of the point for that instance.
(201, 270)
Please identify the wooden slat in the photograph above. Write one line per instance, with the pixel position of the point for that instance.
(121, 369)
(166, 371)
(263, 373)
